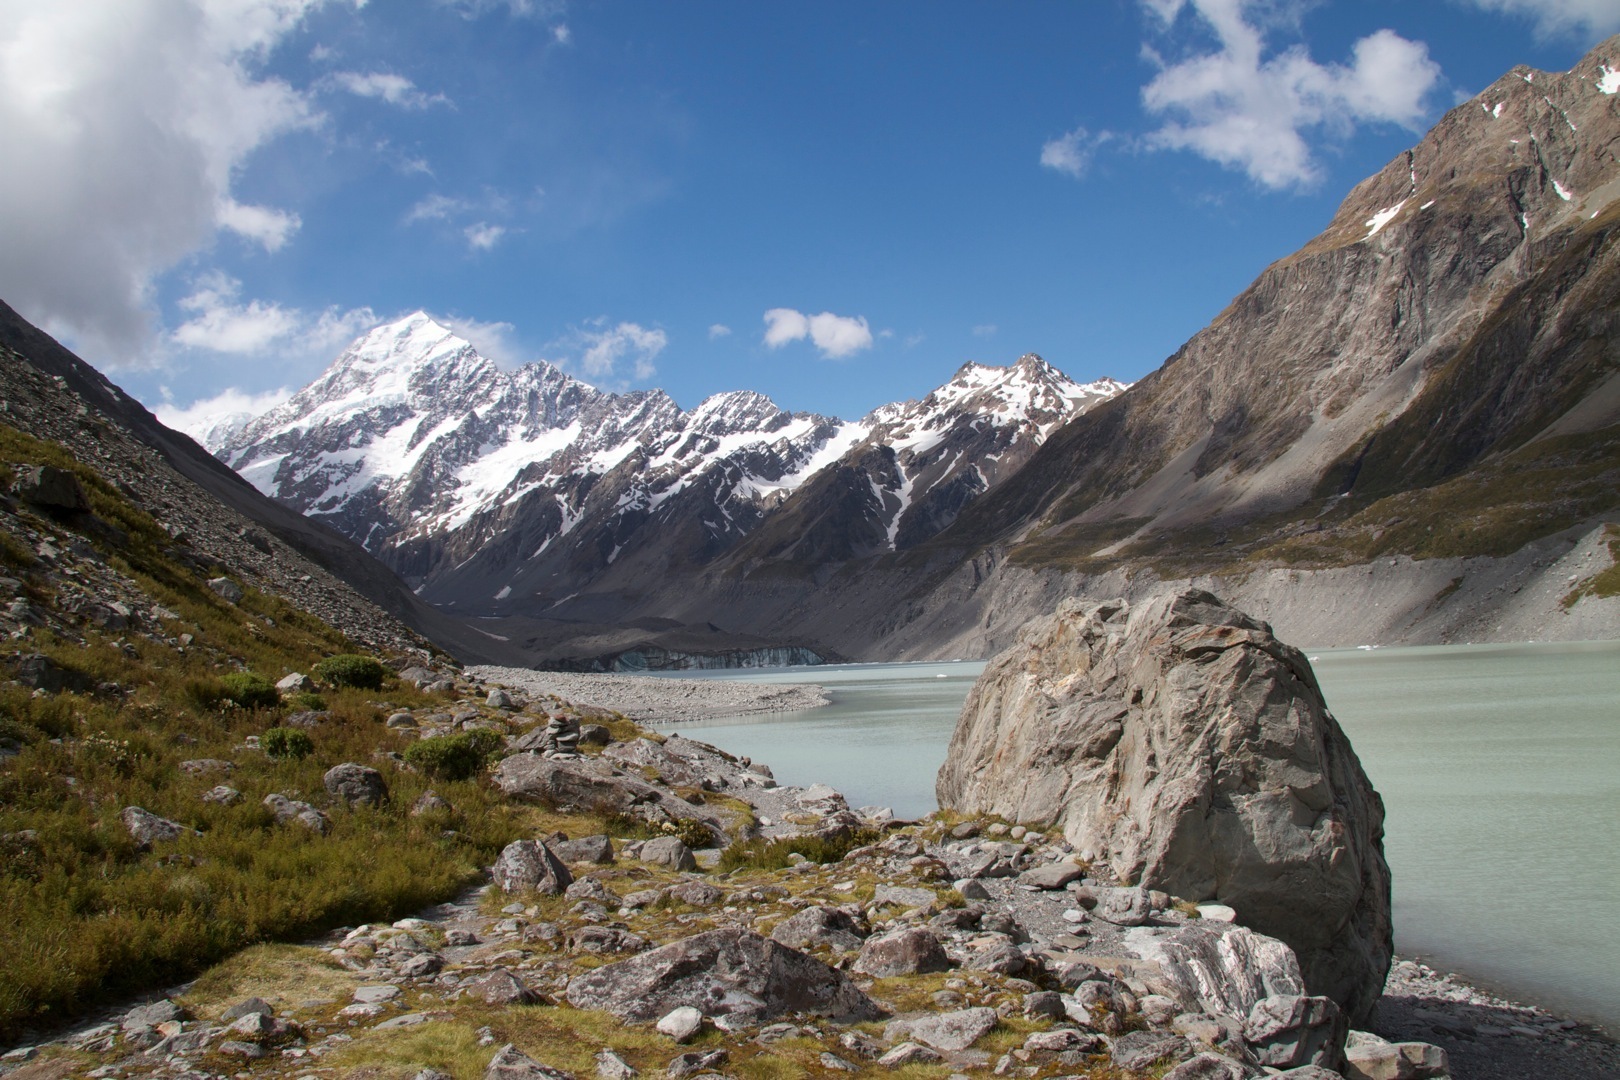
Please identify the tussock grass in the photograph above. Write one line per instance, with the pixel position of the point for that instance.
(86, 916)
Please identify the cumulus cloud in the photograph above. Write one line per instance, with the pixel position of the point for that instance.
(836, 336)
(1585, 20)
(719, 330)
(269, 227)
(1250, 109)
(124, 123)
(616, 354)
(482, 236)
(1071, 153)
(386, 87)
(220, 321)
(211, 420)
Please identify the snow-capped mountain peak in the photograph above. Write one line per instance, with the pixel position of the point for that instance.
(476, 483)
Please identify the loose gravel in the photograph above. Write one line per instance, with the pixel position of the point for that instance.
(654, 699)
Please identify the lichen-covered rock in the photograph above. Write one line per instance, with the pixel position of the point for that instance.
(729, 972)
(1181, 744)
(510, 1063)
(530, 864)
(912, 951)
(818, 926)
(146, 828)
(356, 785)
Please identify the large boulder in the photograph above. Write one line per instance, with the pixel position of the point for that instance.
(1184, 746)
(594, 784)
(729, 972)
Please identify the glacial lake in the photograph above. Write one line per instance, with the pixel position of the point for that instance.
(1499, 766)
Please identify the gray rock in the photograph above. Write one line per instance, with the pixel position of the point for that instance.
(1287, 1031)
(252, 1006)
(222, 795)
(150, 1016)
(911, 951)
(530, 864)
(909, 1053)
(501, 987)
(830, 1060)
(1047, 1003)
(203, 766)
(1048, 1044)
(904, 896)
(237, 1048)
(1219, 969)
(1122, 907)
(1308, 1072)
(226, 590)
(972, 889)
(695, 1062)
(949, 1031)
(1208, 1066)
(1137, 1051)
(510, 1063)
(818, 926)
(50, 487)
(375, 994)
(587, 849)
(699, 894)
(729, 972)
(146, 828)
(291, 810)
(500, 699)
(39, 672)
(668, 851)
(594, 735)
(1369, 1057)
(295, 683)
(1052, 876)
(589, 888)
(431, 802)
(356, 785)
(681, 1023)
(592, 784)
(401, 721)
(610, 1066)
(1254, 796)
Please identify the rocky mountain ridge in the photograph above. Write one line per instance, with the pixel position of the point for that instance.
(505, 492)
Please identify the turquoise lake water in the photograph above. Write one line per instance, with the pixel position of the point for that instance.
(1499, 766)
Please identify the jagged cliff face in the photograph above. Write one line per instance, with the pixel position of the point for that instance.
(520, 492)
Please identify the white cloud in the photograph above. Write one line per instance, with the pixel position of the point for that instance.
(518, 9)
(436, 208)
(124, 124)
(270, 227)
(221, 322)
(719, 330)
(837, 336)
(606, 351)
(211, 420)
(1071, 153)
(483, 236)
(562, 34)
(495, 340)
(914, 340)
(1249, 110)
(985, 330)
(1586, 20)
(386, 87)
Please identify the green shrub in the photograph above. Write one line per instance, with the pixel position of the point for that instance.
(689, 831)
(454, 757)
(353, 670)
(286, 742)
(306, 702)
(250, 691)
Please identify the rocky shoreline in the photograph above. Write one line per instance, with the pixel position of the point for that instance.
(972, 947)
(655, 699)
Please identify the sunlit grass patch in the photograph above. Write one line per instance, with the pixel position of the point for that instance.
(283, 975)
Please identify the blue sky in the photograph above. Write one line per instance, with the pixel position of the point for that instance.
(835, 203)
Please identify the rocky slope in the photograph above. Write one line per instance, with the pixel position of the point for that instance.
(51, 394)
